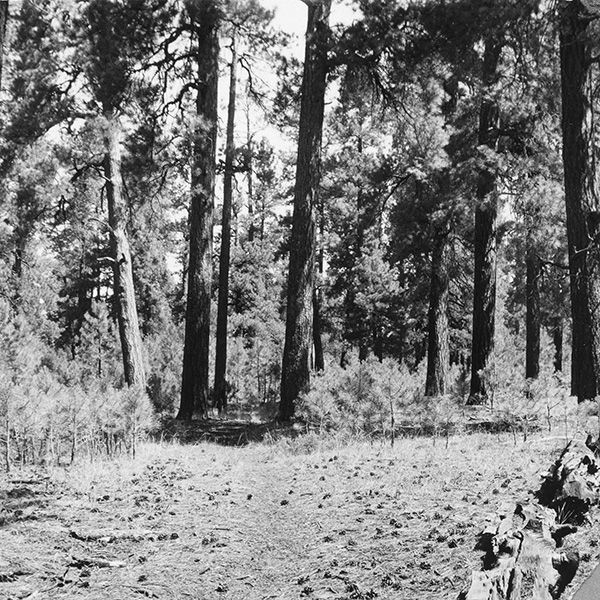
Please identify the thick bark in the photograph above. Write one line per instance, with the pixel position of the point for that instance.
(486, 216)
(124, 293)
(220, 387)
(438, 352)
(3, 19)
(301, 277)
(582, 207)
(194, 386)
(533, 315)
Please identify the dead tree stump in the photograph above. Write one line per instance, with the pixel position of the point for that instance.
(525, 557)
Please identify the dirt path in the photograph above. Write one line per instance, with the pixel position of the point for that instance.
(263, 522)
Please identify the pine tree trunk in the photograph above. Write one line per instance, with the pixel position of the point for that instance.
(195, 379)
(124, 293)
(301, 277)
(486, 215)
(557, 340)
(3, 20)
(319, 357)
(438, 352)
(580, 195)
(533, 315)
(220, 388)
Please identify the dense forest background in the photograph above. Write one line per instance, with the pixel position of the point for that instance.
(383, 228)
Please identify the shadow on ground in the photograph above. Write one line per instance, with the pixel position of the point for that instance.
(225, 432)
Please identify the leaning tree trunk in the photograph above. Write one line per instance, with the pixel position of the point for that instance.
(486, 216)
(438, 352)
(220, 388)
(533, 314)
(582, 206)
(194, 385)
(301, 277)
(124, 293)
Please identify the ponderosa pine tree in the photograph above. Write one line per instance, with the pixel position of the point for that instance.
(220, 387)
(301, 276)
(205, 17)
(114, 43)
(581, 192)
(486, 216)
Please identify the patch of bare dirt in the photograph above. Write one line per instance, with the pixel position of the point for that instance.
(298, 519)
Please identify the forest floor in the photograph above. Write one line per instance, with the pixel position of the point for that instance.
(302, 518)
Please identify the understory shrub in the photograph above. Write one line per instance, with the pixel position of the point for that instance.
(43, 421)
(364, 396)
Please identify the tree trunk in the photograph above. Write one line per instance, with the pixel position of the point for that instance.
(533, 315)
(319, 358)
(486, 214)
(220, 388)
(124, 293)
(298, 336)
(438, 360)
(3, 20)
(194, 386)
(557, 340)
(582, 207)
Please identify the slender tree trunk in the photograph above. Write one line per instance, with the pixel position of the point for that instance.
(3, 20)
(438, 351)
(533, 314)
(319, 357)
(250, 174)
(557, 340)
(298, 336)
(582, 206)
(220, 388)
(486, 215)
(124, 293)
(195, 379)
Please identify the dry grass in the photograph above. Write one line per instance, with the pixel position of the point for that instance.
(307, 518)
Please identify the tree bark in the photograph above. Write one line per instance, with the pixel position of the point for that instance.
(3, 20)
(220, 387)
(533, 315)
(301, 278)
(582, 207)
(486, 215)
(194, 387)
(124, 293)
(438, 352)
(319, 356)
(557, 340)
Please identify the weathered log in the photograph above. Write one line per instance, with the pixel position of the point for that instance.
(524, 554)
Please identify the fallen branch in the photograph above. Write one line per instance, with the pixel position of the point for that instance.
(81, 562)
(109, 537)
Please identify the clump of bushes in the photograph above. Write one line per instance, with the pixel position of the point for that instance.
(385, 398)
(43, 421)
(368, 396)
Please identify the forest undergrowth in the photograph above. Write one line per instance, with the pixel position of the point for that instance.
(316, 516)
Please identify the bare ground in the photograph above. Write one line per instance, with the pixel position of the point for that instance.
(304, 518)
